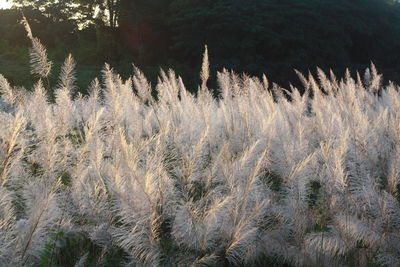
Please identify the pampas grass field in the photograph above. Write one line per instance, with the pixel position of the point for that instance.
(257, 176)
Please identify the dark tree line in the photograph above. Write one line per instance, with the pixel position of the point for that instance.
(252, 36)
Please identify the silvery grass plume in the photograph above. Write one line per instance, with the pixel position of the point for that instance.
(260, 176)
(40, 65)
(205, 69)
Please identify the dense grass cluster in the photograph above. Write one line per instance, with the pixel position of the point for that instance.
(259, 176)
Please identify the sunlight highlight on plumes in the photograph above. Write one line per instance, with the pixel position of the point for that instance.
(257, 175)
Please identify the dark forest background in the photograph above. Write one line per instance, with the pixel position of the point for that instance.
(251, 36)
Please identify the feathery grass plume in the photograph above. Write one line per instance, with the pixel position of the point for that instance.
(224, 84)
(375, 80)
(7, 225)
(359, 81)
(6, 91)
(205, 69)
(12, 145)
(303, 79)
(324, 81)
(27, 27)
(95, 88)
(42, 213)
(265, 82)
(40, 65)
(7, 213)
(67, 76)
(142, 86)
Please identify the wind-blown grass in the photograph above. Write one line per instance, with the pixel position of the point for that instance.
(260, 176)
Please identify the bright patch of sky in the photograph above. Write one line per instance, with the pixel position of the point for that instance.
(4, 4)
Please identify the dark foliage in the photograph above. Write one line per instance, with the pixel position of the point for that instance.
(254, 36)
